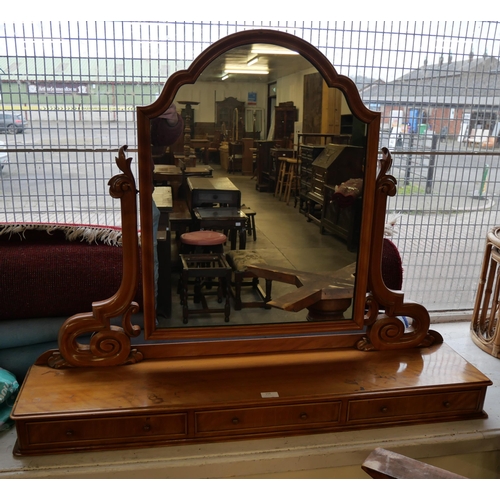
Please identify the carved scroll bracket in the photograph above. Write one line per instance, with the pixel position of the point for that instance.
(109, 345)
(386, 310)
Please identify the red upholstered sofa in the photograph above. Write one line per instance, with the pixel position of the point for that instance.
(48, 273)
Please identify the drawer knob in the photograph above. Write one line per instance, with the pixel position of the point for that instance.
(384, 409)
(69, 433)
(303, 416)
(235, 420)
(446, 404)
(147, 428)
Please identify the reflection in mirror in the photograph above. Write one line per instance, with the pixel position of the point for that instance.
(273, 159)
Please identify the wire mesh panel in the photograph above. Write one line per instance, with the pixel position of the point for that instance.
(69, 92)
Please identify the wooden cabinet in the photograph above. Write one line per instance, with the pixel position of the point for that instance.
(308, 153)
(337, 163)
(285, 116)
(310, 145)
(165, 402)
(208, 192)
(343, 220)
(248, 156)
(264, 163)
(230, 115)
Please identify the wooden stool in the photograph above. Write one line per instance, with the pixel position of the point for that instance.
(202, 242)
(198, 269)
(485, 324)
(239, 260)
(250, 221)
(292, 178)
(282, 175)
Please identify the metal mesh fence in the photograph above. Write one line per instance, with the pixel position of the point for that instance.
(75, 85)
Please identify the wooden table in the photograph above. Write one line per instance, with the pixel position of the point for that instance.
(219, 191)
(172, 175)
(228, 219)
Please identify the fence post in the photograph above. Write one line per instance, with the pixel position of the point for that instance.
(408, 161)
(432, 161)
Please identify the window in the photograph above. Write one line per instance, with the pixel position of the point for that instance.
(76, 85)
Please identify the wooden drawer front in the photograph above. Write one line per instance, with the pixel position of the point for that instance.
(310, 153)
(413, 405)
(271, 416)
(106, 429)
(230, 198)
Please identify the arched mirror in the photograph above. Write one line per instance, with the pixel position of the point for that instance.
(284, 97)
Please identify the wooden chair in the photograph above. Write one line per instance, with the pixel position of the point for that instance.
(283, 175)
(213, 148)
(385, 464)
(250, 224)
(292, 181)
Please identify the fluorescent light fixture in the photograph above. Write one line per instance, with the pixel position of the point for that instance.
(273, 50)
(225, 76)
(253, 61)
(248, 71)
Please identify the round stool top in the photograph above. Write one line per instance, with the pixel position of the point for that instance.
(292, 160)
(203, 238)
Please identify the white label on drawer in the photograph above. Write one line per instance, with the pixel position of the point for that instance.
(269, 395)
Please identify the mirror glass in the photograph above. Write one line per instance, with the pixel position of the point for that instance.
(252, 107)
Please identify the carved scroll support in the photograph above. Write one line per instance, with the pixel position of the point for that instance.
(109, 345)
(386, 310)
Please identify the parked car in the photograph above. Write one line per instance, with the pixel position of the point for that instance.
(4, 156)
(12, 122)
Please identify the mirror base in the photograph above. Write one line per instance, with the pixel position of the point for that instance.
(163, 402)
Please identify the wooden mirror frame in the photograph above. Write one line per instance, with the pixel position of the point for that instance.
(310, 335)
(376, 323)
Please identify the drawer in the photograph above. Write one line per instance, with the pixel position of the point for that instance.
(282, 153)
(310, 153)
(107, 429)
(414, 406)
(231, 198)
(269, 417)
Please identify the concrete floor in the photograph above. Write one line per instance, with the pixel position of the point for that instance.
(284, 238)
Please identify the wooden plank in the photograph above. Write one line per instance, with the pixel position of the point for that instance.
(385, 464)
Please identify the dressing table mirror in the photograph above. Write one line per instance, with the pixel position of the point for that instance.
(291, 64)
(362, 358)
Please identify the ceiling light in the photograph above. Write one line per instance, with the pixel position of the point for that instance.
(253, 61)
(272, 50)
(248, 71)
(225, 77)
